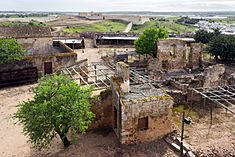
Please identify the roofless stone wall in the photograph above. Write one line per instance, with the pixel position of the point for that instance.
(176, 54)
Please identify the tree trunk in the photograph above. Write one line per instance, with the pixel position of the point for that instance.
(64, 139)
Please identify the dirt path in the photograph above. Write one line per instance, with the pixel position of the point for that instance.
(12, 140)
(128, 27)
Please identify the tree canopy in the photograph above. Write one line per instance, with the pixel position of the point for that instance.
(203, 36)
(59, 106)
(10, 50)
(222, 47)
(147, 42)
(219, 45)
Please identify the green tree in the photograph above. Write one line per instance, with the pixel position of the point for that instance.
(222, 47)
(203, 36)
(10, 50)
(59, 106)
(147, 42)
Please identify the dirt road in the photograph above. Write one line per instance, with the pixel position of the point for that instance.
(128, 27)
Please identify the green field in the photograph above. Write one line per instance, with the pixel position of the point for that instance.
(106, 26)
(169, 24)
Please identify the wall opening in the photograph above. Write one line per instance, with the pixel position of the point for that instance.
(47, 68)
(143, 123)
(173, 50)
(165, 65)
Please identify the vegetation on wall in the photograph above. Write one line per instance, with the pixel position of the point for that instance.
(59, 106)
(10, 50)
(147, 42)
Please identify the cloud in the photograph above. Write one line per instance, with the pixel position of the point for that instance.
(118, 5)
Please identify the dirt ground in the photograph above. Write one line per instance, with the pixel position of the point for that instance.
(217, 139)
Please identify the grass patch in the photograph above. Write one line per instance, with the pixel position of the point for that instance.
(106, 26)
(206, 56)
(169, 24)
(189, 112)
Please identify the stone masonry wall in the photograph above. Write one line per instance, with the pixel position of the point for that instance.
(176, 60)
(37, 46)
(195, 57)
(103, 111)
(158, 111)
(176, 54)
(58, 61)
(213, 76)
(17, 65)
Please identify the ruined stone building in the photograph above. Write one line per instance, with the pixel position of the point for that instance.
(41, 57)
(140, 112)
(176, 54)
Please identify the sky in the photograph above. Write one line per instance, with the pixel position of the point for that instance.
(117, 5)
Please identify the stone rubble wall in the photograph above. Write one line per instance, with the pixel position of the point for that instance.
(213, 76)
(196, 55)
(178, 58)
(103, 111)
(158, 111)
(59, 61)
(123, 72)
(164, 53)
(17, 65)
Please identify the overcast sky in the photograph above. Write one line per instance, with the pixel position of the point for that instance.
(118, 5)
